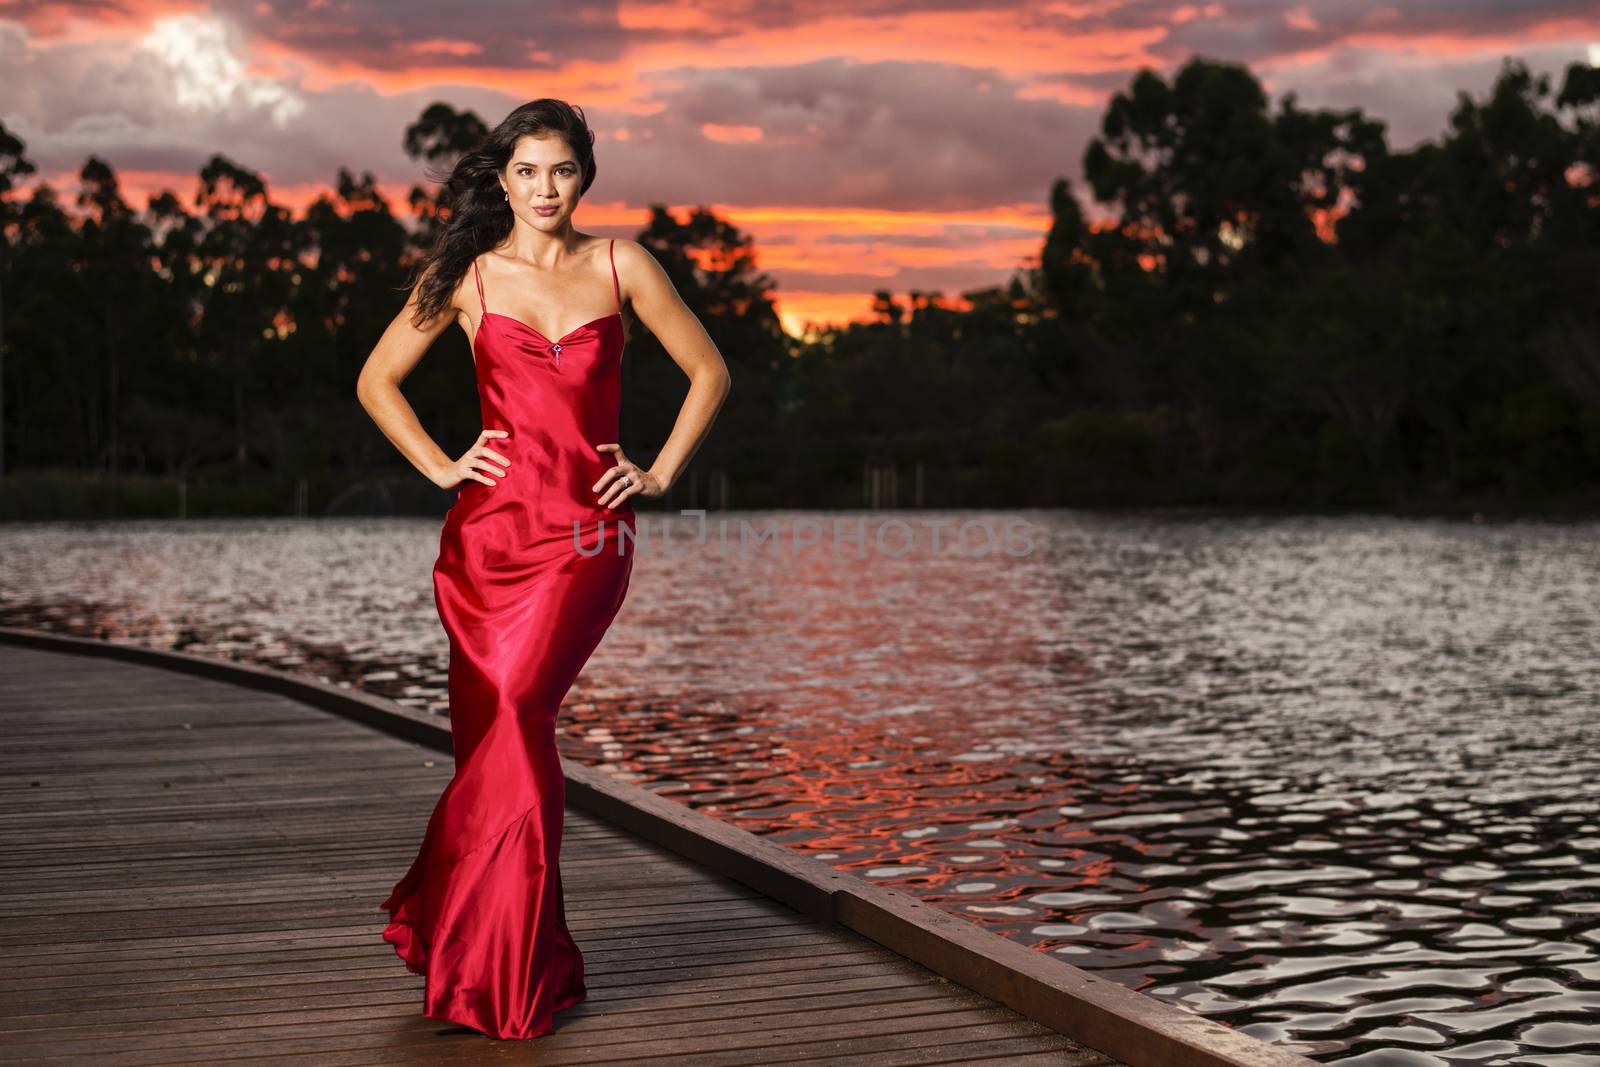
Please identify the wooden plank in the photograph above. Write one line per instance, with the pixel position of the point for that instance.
(209, 894)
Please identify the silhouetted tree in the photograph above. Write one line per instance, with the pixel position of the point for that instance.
(438, 137)
(1254, 303)
(249, 254)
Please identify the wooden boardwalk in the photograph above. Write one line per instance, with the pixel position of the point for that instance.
(192, 869)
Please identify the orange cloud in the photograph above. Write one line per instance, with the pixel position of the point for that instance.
(444, 47)
(67, 23)
(731, 134)
(960, 39)
(1403, 48)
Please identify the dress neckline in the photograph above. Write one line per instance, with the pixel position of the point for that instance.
(558, 341)
(556, 345)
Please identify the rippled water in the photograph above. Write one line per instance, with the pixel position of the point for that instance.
(1332, 781)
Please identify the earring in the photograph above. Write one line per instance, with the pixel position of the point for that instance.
(508, 198)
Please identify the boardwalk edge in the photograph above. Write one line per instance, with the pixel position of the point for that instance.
(1100, 1014)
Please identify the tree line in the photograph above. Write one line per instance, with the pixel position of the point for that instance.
(1248, 303)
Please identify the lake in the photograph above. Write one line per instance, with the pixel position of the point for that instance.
(1334, 781)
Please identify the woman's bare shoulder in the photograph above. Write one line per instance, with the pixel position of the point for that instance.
(629, 256)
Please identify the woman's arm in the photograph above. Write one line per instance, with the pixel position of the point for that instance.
(657, 304)
(398, 351)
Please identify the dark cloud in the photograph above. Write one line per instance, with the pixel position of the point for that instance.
(166, 105)
(834, 133)
(398, 35)
(1414, 99)
(393, 35)
(1325, 52)
(843, 134)
(1249, 31)
(50, 18)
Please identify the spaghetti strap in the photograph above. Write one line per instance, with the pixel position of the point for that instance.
(614, 283)
(479, 279)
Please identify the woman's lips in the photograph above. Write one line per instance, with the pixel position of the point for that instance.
(548, 210)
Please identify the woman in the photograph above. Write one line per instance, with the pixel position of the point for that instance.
(530, 572)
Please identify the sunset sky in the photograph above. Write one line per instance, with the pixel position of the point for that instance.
(864, 145)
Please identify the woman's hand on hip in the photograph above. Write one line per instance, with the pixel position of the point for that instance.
(625, 479)
(477, 465)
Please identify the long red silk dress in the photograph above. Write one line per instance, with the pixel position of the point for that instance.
(530, 574)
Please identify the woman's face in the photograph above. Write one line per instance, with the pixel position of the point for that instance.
(543, 173)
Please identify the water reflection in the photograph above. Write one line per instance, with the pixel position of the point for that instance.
(1328, 780)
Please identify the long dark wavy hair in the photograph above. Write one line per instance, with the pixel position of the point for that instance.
(479, 217)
